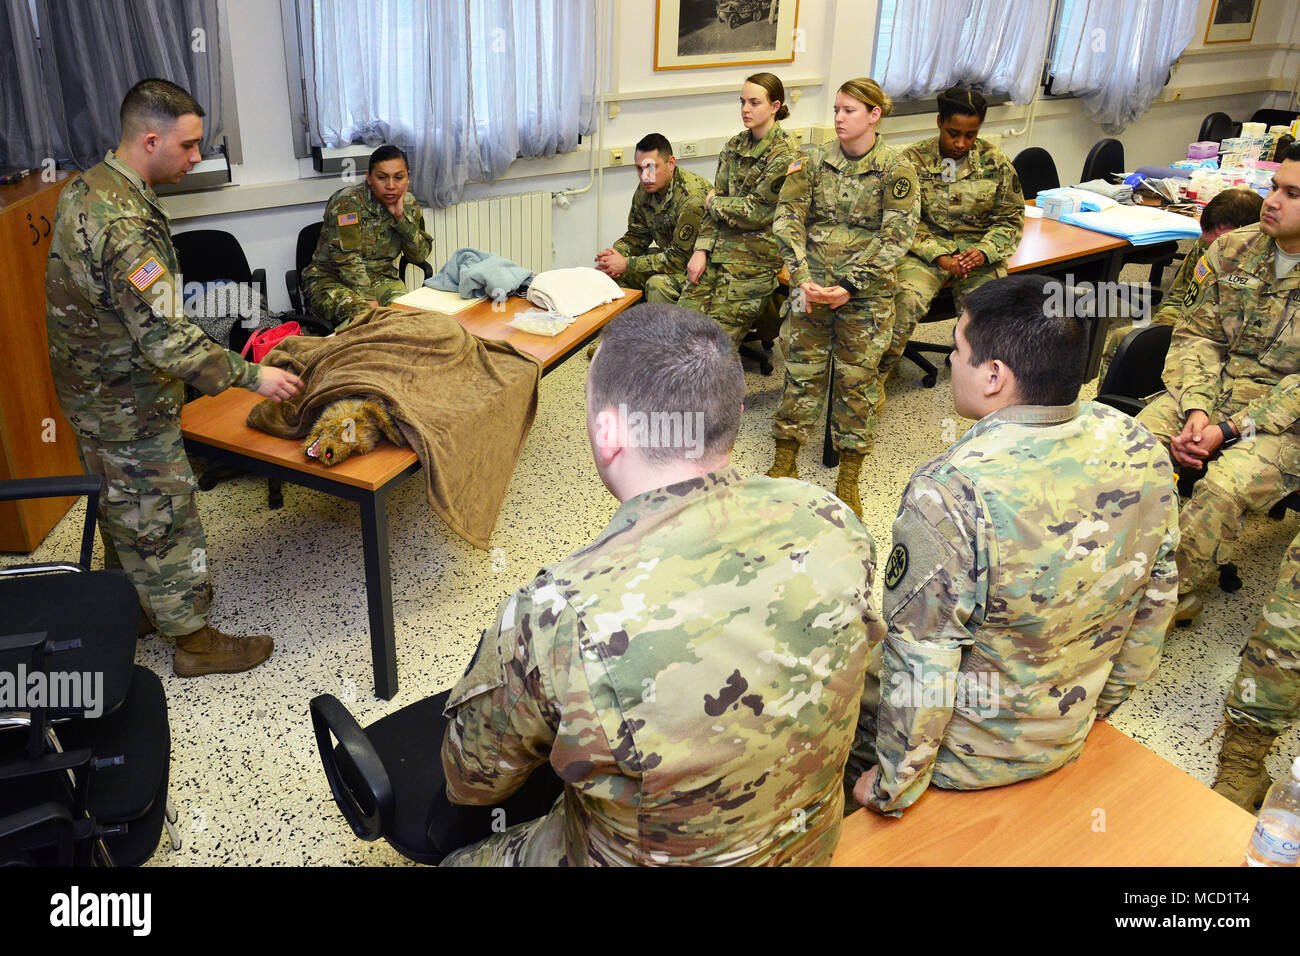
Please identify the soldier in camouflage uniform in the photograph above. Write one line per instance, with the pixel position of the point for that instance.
(367, 226)
(1264, 699)
(1031, 577)
(1231, 373)
(732, 274)
(693, 675)
(1231, 209)
(666, 213)
(847, 214)
(121, 352)
(972, 216)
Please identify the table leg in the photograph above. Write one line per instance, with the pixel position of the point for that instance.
(1110, 269)
(830, 454)
(379, 593)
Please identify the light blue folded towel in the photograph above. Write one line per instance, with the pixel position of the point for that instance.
(475, 274)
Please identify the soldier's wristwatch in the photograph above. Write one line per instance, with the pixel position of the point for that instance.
(1230, 437)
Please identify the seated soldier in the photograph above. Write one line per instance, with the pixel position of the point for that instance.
(693, 675)
(972, 217)
(1232, 406)
(1231, 209)
(1031, 578)
(354, 268)
(666, 212)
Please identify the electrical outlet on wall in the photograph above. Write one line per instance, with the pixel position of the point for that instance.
(616, 157)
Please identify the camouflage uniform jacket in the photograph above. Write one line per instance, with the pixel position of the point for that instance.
(1171, 306)
(1238, 345)
(360, 241)
(1028, 589)
(670, 220)
(977, 205)
(748, 183)
(847, 222)
(693, 676)
(121, 349)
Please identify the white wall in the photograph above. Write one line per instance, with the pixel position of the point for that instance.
(838, 36)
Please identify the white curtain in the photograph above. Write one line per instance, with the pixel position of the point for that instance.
(1116, 54)
(465, 86)
(926, 46)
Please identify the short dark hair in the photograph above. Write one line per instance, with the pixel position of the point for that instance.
(155, 102)
(655, 142)
(1020, 321)
(384, 153)
(961, 100)
(1232, 207)
(661, 358)
(1292, 154)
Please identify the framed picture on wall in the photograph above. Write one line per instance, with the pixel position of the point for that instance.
(1231, 21)
(690, 34)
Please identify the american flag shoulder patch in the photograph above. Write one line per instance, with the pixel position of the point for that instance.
(146, 275)
(1202, 270)
(794, 167)
(348, 219)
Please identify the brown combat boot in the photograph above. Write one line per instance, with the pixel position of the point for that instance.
(787, 450)
(1242, 777)
(1189, 609)
(846, 483)
(208, 651)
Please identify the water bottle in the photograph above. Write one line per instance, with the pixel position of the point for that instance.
(1276, 840)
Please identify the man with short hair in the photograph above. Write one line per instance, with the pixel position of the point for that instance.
(1031, 577)
(121, 353)
(366, 227)
(1231, 209)
(693, 674)
(1232, 374)
(661, 226)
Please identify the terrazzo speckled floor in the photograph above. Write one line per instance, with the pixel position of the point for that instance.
(245, 775)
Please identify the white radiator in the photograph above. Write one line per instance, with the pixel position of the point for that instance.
(517, 227)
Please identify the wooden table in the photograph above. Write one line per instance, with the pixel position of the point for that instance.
(1119, 804)
(214, 428)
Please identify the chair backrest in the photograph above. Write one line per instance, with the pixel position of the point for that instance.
(308, 237)
(1216, 127)
(1273, 117)
(211, 255)
(1139, 363)
(1105, 157)
(1036, 170)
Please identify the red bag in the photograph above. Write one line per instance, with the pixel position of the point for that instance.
(267, 339)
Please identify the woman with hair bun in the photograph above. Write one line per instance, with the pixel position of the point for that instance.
(847, 214)
(732, 273)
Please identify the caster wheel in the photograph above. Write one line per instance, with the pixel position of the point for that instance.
(1229, 580)
(206, 483)
(766, 368)
(930, 381)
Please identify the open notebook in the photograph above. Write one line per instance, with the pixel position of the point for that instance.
(435, 300)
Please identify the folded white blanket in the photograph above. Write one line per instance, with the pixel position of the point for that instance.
(572, 292)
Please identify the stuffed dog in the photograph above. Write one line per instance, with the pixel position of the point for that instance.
(351, 426)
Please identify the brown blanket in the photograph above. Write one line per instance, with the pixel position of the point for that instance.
(464, 404)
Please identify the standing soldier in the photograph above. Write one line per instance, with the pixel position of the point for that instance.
(1232, 406)
(732, 273)
(121, 353)
(847, 215)
(666, 213)
(972, 216)
(1264, 698)
(354, 268)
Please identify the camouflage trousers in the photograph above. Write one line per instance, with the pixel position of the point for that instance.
(1118, 334)
(856, 334)
(149, 522)
(538, 842)
(732, 293)
(657, 286)
(338, 304)
(1266, 691)
(916, 285)
(1245, 477)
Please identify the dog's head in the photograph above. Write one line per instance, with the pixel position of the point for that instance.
(334, 442)
(350, 427)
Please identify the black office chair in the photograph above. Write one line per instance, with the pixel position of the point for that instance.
(943, 306)
(387, 780)
(1036, 170)
(1217, 127)
(765, 332)
(1135, 374)
(308, 238)
(211, 255)
(83, 780)
(1105, 157)
(1274, 117)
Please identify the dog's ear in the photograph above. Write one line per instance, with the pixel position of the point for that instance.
(388, 426)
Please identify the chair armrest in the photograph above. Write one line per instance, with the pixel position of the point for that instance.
(46, 763)
(1129, 406)
(424, 267)
(291, 286)
(328, 716)
(259, 280)
(88, 486)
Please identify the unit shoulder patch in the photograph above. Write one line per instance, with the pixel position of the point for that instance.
(896, 566)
